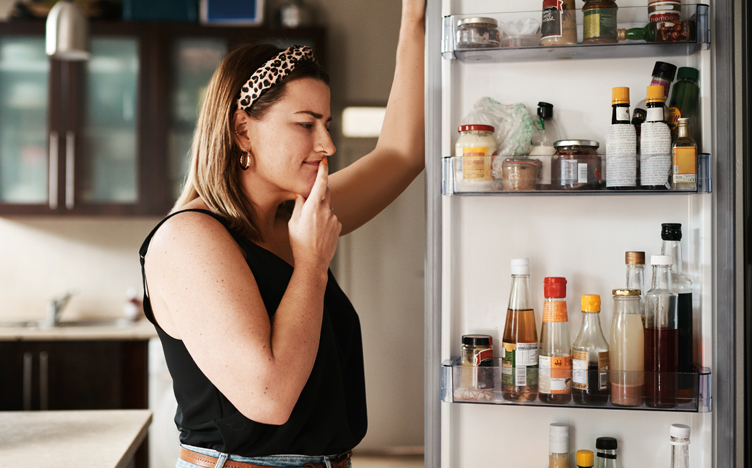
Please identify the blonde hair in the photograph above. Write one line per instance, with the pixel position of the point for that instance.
(215, 174)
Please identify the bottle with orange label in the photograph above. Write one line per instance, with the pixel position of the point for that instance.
(684, 154)
(555, 355)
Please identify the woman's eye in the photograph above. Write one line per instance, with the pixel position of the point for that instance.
(307, 126)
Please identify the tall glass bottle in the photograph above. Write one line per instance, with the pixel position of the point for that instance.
(519, 378)
(558, 445)
(683, 103)
(680, 445)
(606, 447)
(671, 234)
(661, 337)
(655, 143)
(684, 155)
(627, 361)
(621, 143)
(555, 355)
(636, 276)
(590, 357)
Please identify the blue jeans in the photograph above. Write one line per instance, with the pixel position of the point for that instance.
(271, 460)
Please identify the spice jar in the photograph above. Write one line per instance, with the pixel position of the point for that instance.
(478, 32)
(576, 165)
(475, 150)
(520, 174)
(476, 381)
(599, 22)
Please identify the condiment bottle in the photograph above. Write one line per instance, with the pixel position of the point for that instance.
(599, 22)
(671, 235)
(626, 355)
(635, 262)
(477, 353)
(606, 447)
(661, 337)
(590, 357)
(675, 31)
(684, 155)
(555, 355)
(475, 149)
(655, 144)
(584, 459)
(543, 139)
(683, 102)
(621, 143)
(663, 75)
(519, 378)
(558, 23)
(558, 446)
(679, 445)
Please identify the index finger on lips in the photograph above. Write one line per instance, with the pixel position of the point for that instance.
(318, 192)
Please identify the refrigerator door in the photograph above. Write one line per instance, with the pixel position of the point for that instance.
(471, 240)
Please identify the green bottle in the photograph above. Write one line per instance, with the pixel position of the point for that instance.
(683, 102)
(665, 31)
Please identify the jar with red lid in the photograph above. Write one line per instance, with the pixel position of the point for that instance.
(576, 165)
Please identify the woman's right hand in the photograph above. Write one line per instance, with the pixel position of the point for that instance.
(314, 228)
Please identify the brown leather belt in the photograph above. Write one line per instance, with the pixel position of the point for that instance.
(206, 461)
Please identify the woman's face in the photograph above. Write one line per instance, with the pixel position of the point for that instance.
(289, 142)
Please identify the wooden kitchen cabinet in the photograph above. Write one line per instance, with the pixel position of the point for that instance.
(109, 136)
(73, 375)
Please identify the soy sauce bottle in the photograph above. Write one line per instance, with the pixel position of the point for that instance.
(590, 358)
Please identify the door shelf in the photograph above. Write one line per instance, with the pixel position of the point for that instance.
(453, 183)
(459, 384)
(526, 48)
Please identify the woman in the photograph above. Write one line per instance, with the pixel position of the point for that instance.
(263, 346)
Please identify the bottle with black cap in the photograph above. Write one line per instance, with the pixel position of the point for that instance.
(544, 136)
(606, 452)
(671, 234)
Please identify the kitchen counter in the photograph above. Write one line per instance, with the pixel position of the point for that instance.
(140, 330)
(75, 439)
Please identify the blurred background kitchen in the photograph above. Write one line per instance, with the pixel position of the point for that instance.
(93, 153)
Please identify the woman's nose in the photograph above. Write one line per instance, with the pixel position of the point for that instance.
(324, 144)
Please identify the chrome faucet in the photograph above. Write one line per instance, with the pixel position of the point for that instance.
(56, 305)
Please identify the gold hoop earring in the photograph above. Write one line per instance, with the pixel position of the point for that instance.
(245, 160)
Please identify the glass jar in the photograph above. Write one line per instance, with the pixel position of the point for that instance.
(664, 10)
(576, 165)
(477, 33)
(518, 173)
(475, 150)
(477, 352)
(599, 22)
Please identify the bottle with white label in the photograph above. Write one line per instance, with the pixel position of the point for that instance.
(655, 143)
(590, 358)
(519, 361)
(474, 151)
(546, 133)
(555, 355)
(621, 144)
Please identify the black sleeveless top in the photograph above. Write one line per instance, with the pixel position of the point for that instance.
(330, 415)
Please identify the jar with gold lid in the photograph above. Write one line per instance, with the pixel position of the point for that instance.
(576, 165)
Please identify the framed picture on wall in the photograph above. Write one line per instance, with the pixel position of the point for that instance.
(232, 12)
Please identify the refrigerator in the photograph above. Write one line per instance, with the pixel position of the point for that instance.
(581, 235)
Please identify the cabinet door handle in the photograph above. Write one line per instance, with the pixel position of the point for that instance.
(70, 160)
(27, 381)
(43, 382)
(53, 170)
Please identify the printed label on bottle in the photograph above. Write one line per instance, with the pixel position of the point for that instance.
(483, 357)
(476, 163)
(554, 374)
(655, 153)
(555, 311)
(672, 119)
(668, 10)
(579, 370)
(582, 173)
(603, 364)
(551, 21)
(599, 22)
(685, 164)
(621, 156)
(622, 114)
(655, 114)
(520, 364)
(568, 171)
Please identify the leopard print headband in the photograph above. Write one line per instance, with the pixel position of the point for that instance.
(272, 72)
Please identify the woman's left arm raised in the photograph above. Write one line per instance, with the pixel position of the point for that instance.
(361, 190)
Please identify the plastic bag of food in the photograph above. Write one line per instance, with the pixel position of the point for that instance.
(512, 123)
